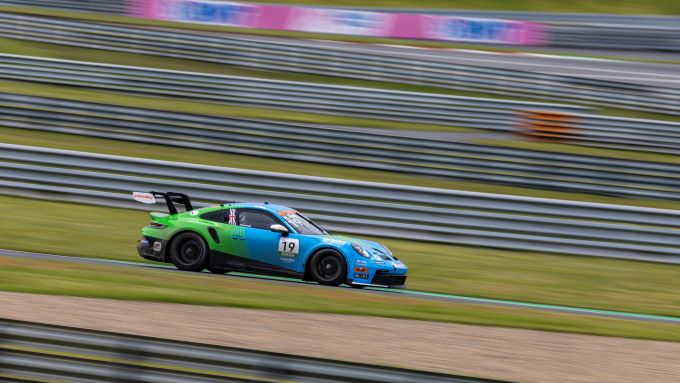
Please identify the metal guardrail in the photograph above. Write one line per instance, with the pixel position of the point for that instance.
(367, 208)
(37, 352)
(490, 114)
(117, 7)
(545, 17)
(616, 36)
(309, 97)
(340, 61)
(602, 131)
(363, 148)
(573, 30)
(626, 133)
(581, 30)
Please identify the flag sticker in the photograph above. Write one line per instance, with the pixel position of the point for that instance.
(232, 216)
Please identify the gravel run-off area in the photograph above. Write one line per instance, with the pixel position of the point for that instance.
(490, 352)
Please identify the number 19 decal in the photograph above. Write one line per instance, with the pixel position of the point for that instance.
(289, 247)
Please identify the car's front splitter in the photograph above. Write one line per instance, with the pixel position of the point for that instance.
(375, 285)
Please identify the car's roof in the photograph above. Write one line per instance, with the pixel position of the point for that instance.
(257, 205)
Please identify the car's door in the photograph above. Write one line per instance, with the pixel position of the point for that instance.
(269, 251)
(229, 248)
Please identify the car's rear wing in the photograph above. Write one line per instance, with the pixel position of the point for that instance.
(171, 198)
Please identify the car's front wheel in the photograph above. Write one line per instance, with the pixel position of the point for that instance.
(189, 252)
(328, 268)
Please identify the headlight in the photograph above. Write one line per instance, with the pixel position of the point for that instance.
(361, 250)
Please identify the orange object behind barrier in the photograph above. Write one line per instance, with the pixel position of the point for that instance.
(548, 124)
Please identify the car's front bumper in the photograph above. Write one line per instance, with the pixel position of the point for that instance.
(367, 276)
(394, 284)
(389, 280)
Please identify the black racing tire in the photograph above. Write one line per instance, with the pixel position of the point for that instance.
(218, 271)
(189, 252)
(328, 267)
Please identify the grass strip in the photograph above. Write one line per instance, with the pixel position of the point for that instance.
(58, 278)
(608, 284)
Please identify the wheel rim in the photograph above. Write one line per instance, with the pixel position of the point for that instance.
(190, 252)
(329, 268)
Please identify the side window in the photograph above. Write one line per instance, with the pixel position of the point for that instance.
(221, 216)
(256, 219)
(216, 216)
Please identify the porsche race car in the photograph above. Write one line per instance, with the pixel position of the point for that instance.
(262, 238)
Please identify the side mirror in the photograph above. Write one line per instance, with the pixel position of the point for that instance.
(276, 228)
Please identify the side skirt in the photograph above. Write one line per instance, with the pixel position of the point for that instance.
(224, 261)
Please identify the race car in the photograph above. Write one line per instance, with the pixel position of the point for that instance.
(262, 238)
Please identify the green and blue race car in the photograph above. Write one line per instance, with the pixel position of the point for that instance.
(262, 238)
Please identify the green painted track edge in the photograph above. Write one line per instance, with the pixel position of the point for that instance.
(405, 292)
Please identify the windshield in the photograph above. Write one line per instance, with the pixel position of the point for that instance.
(302, 224)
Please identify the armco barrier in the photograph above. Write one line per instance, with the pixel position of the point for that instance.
(628, 133)
(367, 208)
(412, 25)
(542, 17)
(309, 97)
(342, 21)
(117, 7)
(573, 30)
(616, 36)
(479, 113)
(362, 148)
(338, 60)
(31, 352)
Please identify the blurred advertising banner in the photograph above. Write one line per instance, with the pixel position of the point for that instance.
(480, 30)
(192, 11)
(341, 21)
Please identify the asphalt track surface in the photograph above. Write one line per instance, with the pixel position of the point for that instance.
(644, 73)
(368, 290)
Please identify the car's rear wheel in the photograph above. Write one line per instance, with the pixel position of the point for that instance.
(328, 268)
(189, 252)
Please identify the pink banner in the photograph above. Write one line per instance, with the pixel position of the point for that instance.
(341, 21)
(202, 12)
